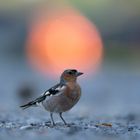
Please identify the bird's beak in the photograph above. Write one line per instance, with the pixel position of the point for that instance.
(79, 73)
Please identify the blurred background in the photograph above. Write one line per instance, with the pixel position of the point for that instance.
(39, 39)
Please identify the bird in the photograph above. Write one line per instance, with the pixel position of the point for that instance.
(61, 97)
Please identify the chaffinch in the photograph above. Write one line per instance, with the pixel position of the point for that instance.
(61, 97)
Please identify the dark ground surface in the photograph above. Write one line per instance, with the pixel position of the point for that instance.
(79, 128)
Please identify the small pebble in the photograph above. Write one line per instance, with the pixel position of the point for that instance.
(26, 127)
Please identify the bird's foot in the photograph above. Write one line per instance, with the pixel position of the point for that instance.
(53, 124)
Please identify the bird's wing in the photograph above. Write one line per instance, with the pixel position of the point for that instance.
(55, 90)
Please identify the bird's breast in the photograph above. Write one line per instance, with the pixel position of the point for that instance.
(73, 93)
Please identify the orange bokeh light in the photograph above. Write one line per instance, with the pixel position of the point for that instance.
(64, 40)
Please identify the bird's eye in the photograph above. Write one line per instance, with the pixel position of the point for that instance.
(70, 72)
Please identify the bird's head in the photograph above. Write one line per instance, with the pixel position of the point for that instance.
(70, 75)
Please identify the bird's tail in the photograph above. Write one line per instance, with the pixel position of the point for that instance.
(34, 102)
(25, 106)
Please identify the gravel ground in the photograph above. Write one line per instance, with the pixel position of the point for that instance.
(28, 126)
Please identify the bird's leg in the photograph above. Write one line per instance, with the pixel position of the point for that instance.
(51, 115)
(60, 114)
